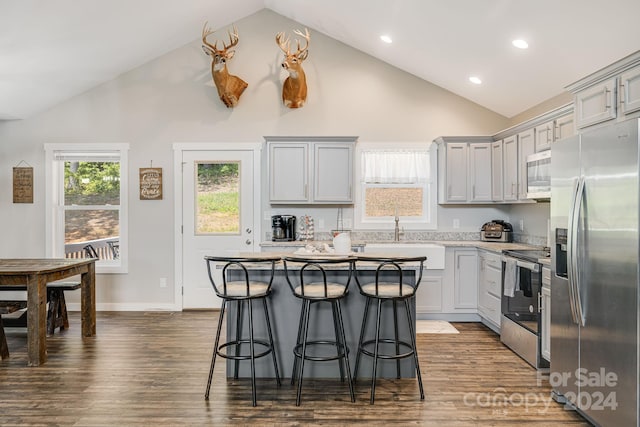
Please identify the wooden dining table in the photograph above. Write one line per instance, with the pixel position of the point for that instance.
(35, 274)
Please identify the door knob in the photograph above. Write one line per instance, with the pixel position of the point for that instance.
(248, 241)
(248, 230)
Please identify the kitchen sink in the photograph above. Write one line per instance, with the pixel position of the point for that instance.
(433, 251)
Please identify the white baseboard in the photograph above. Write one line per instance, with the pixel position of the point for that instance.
(128, 307)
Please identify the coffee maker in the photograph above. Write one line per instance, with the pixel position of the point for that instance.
(283, 228)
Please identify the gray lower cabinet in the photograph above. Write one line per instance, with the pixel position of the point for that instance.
(489, 287)
(545, 330)
(429, 294)
(465, 282)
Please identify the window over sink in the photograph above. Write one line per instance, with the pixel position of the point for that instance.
(395, 180)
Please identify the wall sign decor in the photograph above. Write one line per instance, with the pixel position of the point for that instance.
(150, 183)
(294, 88)
(229, 87)
(23, 183)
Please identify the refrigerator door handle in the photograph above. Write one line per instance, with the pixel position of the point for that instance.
(578, 212)
(571, 252)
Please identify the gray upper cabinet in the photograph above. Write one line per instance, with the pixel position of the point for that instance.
(612, 93)
(457, 162)
(526, 146)
(596, 104)
(333, 177)
(497, 180)
(288, 172)
(510, 156)
(630, 91)
(543, 136)
(480, 169)
(564, 127)
(480, 172)
(310, 171)
(553, 130)
(464, 170)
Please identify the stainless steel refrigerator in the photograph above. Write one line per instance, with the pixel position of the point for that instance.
(594, 275)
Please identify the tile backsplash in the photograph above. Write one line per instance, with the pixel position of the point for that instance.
(411, 236)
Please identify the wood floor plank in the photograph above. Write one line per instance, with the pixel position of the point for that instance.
(150, 369)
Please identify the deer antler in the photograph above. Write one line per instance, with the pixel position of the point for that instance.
(306, 36)
(206, 31)
(283, 43)
(233, 38)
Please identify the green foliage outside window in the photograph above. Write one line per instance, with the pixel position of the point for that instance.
(94, 183)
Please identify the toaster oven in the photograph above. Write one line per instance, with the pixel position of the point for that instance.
(496, 231)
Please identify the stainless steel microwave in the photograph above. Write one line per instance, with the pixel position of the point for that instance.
(539, 176)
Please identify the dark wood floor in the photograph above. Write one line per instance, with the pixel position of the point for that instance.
(151, 369)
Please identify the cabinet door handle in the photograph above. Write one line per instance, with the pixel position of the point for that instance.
(607, 94)
(621, 93)
(539, 302)
(473, 191)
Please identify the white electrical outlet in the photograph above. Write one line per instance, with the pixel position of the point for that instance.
(522, 225)
(163, 282)
(456, 223)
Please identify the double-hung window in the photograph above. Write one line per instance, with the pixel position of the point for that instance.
(396, 180)
(86, 202)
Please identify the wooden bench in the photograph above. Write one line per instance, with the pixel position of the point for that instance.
(7, 307)
(56, 313)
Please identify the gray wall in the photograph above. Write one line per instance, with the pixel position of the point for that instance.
(172, 99)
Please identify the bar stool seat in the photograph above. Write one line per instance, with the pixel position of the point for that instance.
(390, 288)
(242, 292)
(239, 289)
(312, 291)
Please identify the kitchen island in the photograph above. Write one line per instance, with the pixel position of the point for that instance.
(284, 312)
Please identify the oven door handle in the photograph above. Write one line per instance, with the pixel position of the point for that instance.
(535, 267)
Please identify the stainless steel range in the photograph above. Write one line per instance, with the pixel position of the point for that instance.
(521, 295)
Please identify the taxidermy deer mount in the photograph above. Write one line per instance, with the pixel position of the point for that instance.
(229, 87)
(294, 88)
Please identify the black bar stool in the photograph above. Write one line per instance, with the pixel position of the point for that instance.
(241, 291)
(390, 288)
(312, 287)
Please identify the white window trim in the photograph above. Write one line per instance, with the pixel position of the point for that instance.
(388, 223)
(52, 192)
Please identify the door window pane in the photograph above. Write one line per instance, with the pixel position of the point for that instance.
(217, 198)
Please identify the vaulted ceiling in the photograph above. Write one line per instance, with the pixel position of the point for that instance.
(51, 50)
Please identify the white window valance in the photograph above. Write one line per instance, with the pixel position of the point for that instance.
(395, 166)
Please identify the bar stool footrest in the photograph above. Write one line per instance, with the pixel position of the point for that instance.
(297, 351)
(387, 356)
(236, 343)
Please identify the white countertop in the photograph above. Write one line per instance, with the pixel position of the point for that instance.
(490, 246)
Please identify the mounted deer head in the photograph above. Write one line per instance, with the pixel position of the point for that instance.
(229, 87)
(294, 88)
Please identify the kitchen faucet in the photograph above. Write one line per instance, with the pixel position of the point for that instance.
(396, 231)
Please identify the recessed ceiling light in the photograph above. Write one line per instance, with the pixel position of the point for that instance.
(385, 38)
(520, 44)
(475, 80)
